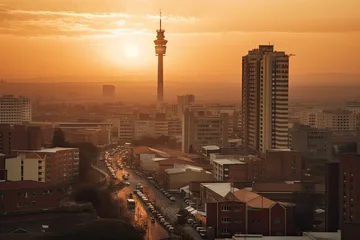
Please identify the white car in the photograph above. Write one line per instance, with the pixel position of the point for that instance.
(127, 183)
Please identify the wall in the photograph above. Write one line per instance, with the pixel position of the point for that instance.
(179, 180)
(13, 167)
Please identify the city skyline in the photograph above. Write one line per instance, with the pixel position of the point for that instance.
(115, 38)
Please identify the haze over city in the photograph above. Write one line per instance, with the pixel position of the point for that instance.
(179, 120)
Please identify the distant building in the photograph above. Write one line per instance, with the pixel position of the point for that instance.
(27, 195)
(349, 191)
(144, 128)
(353, 107)
(19, 137)
(283, 165)
(265, 79)
(200, 130)
(50, 165)
(336, 120)
(314, 143)
(108, 91)
(15, 110)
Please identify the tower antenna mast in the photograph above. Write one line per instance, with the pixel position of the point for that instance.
(160, 19)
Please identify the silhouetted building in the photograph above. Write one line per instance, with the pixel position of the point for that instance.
(332, 197)
(349, 190)
(160, 50)
(108, 91)
(265, 81)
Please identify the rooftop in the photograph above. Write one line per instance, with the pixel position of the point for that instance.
(220, 188)
(26, 184)
(252, 199)
(211, 147)
(179, 168)
(48, 150)
(228, 161)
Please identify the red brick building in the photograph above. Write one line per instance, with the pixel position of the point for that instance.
(243, 211)
(50, 165)
(19, 137)
(23, 196)
(349, 188)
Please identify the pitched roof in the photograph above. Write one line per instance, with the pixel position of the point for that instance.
(252, 199)
(220, 188)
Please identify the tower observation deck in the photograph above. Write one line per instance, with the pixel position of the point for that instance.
(160, 51)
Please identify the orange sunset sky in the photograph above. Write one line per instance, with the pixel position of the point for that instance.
(50, 38)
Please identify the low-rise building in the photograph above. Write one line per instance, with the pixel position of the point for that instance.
(50, 165)
(247, 212)
(180, 175)
(24, 196)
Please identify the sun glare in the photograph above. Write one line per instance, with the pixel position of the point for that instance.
(131, 50)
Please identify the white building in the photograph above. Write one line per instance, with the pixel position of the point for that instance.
(175, 128)
(274, 101)
(15, 110)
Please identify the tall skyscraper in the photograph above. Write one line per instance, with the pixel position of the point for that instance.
(15, 110)
(160, 50)
(108, 91)
(265, 77)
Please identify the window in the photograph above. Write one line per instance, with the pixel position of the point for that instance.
(225, 220)
(225, 230)
(225, 208)
(18, 204)
(277, 221)
(255, 221)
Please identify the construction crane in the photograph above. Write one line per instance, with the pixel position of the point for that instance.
(292, 55)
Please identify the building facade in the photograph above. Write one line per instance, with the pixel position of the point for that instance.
(51, 165)
(314, 143)
(264, 113)
(24, 196)
(15, 110)
(201, 130)
(349, 188)
(19, 137)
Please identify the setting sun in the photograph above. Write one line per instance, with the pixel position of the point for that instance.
(131, 50)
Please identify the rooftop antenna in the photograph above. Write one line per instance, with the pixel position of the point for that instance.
(160, 20)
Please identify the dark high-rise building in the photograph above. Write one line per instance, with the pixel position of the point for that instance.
(108, 91)
(160, 50)
(349, 189)
(332, 197)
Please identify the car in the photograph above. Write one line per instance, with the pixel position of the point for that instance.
(162, 220)
(172, 199)
(127, 183)
(152, 220)
(198, 229)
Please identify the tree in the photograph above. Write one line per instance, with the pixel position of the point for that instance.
(105, 205)
(88, 154)
(58, 138)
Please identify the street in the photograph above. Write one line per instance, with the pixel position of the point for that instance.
(155, 231)
(168, 208)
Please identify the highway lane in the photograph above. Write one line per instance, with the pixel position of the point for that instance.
(154, 231)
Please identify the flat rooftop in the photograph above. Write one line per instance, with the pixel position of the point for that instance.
(227, 161)
(48, 150)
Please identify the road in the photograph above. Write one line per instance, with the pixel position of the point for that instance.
(168, 208)
(155, 230)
